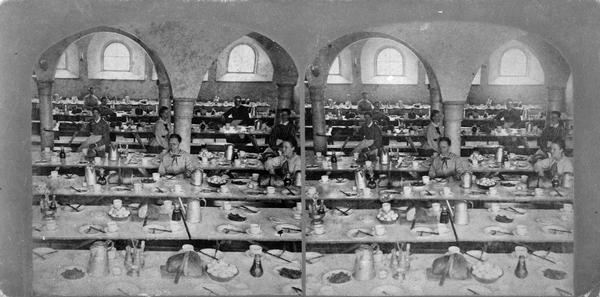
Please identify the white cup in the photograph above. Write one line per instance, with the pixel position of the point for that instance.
(255, 249)
(386, 207)
(521, 230)
(137, 187)
(568, 207)
(435, 207)
(111, 226)
(54, 174)
(117, 203)
(447, 191)
(97, 160)
(270, 190)
(254, 228)
(167, 206)
(493, 191)
(415, 164)
(319, 229)
(539, 192)
(97, 188)
(407, 190)
(495, 207)
(177, 188)
(324, 178)
(224, 189)
(156, 176)
(453, 249)
(368, 164)
(426, 179)
(379, 230)
(520, 251)
(255, 176)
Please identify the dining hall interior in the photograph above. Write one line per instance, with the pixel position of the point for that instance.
(299, 148)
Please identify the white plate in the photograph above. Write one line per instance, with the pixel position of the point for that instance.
(326, 275)
(86, 230)
(548, 230)
(387, 290)
(289, 266)
(211, 252)
(120, 288)
(254, 234)
(220, 229)
(415, 231)
(353, 233)
(217, 289)
(488, 230)
(291, 226)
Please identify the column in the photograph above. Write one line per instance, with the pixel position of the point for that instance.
(46, 120)
(318, 117)
(184, 112)
(285, 96)
(435, 99)
(557, 97)
(453, 113)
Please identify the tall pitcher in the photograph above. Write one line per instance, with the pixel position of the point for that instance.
(364, 265)
(461, 212)
(98, 263)
(90, 175)
(194, 210)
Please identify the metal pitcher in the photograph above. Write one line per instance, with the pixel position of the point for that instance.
(461, 212)
(197, 177)
(298, 180)
(98, 263)
(360, 179)
(90, 175)
(194, 210)
(385, 157)
(229, 152)
(364, 264)
(257, 125)
(500, 154)
(466, 180)
(567, 180)
(113, 154)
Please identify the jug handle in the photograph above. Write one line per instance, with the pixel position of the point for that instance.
(470, 202)
(109, 244)
(203, 200)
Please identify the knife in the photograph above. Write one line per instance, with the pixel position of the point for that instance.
(344, 212)
(563, 291)
(298, 290)
(557, 192)
(99, 230)
(363, 232)
(292, 193)
(76, 189)
(158, 229)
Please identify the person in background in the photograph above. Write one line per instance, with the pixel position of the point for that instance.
(512, 143)
(435, 131)
(447, 164)
(162, 130)
(370, 133)
(542, 152)
(364, 104)
(106, 111)
(176, 161)
(90, 100)
(99, 129)
(378, 116)
(283, 130)
(557, 164)
(288, 162)
(510, 114)
(553, 130)
(240, 114)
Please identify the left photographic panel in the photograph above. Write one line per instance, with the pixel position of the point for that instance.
(140, 190)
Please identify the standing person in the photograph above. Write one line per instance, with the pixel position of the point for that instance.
(379, 116)
(448, 164)
(99, 129)
(162, 130)
(90, 100)
(176, 161)
(554, 130)
(106, 111)
(283, 130)
(435, 131)
(239, 113)
(510, 114)
(371, 137)
(364, 104)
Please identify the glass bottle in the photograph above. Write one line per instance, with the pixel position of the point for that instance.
(521, 270)
(176, 216)
(101, 180)
(256, 270)
(333, 158)
(62, 154)
(44, 204)
(287, 180)
(444, 216)
(53, 206)
(555, 181)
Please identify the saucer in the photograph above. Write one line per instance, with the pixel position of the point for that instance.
(255, 234)
(312, 232)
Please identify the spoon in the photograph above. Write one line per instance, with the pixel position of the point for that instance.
(493, 232)
(232, 230)
(309, 261)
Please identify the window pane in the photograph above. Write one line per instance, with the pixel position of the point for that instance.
(116, 58)
(62, 61)
(513, 63)
(241, 59)
(335, 66)
(389, 62)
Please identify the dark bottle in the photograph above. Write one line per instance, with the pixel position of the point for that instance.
(62, 154)
(53, 206)
(235, 155)
(101, 180)
(44, 204)
(444, 216)
(321, 209)
(555, 181)
(176, 216)
(287, 180)
(521, 270)
(256, 270)
(333, 158)
(371, 183)
(474, 129)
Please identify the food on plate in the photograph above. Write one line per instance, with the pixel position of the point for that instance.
(338, 278)
(417, 184)
(148, 181)
(236, 217)
(74, 273)
(221, 269)
(121, 212)
(387, 216)
(503, 219)
(554, 274)
(216, 179)
(290, 273)
(486, 182)
(487, 270)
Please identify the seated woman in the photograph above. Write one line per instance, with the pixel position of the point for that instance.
(556, 165)
(447, 164)
(288, 162)
(162, 130)
(176, 161)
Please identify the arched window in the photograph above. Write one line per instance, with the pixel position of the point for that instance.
(513, 63)
(335, 67)
(389, 62)
(62, 62)
(242, 59)
(116, 57)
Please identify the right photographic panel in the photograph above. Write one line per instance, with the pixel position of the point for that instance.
(421, 180)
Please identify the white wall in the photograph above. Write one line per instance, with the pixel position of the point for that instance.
(345, 76)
